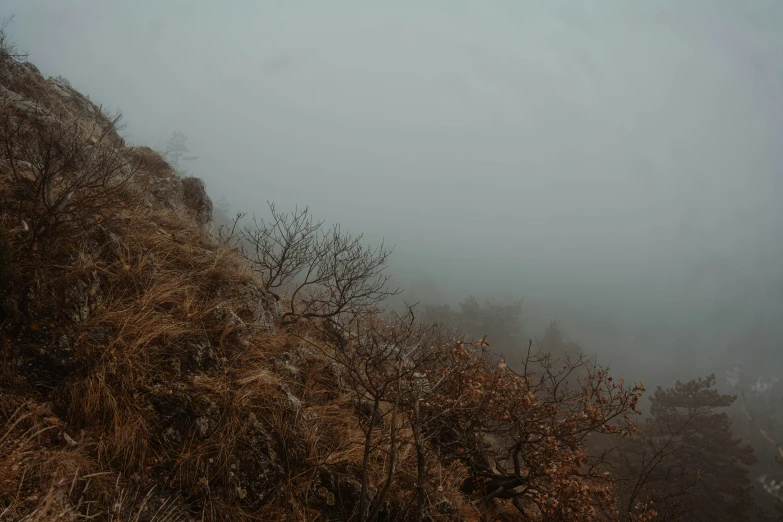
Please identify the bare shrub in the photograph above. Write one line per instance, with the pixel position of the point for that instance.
(8, 48)
(650, 469)
(383, 365)
(59, 175)
(328, 272)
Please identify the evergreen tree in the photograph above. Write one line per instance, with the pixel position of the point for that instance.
(554, 343)
(177, 151)
(704, 449)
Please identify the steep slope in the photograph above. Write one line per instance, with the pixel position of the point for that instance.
(136, 373)
(149, 373)
(122, 323)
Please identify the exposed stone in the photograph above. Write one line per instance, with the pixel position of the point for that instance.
(257, 471)
(209, 416)
(293, 402)
(155, 267)
(196, 200)
(168, 191)
(257, 305)
(84, 297)
(201, 356)
(283, 366)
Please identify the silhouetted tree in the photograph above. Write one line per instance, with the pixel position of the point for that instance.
(500, 322)
(327, 273)
(553, 342)
(699, 443)
(177, 151)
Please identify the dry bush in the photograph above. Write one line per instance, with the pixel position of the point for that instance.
(524, 435)
(360, 397)
(328, 272)
(8, 48)
(178, 387)
(59, 176)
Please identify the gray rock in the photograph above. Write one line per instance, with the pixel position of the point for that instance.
(284, 367)
(292, 400)
(209, 417)
(84, 297)
(196, 200)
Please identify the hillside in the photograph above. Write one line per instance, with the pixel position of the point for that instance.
(153, 371)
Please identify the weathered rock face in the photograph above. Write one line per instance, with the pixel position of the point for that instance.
(23, 87)
(257, 305)
(187, 195)
(196, 200)
(256, 471)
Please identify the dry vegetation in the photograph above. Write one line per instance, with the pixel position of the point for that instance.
(150, 371)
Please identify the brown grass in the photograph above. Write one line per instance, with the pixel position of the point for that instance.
(167, 403)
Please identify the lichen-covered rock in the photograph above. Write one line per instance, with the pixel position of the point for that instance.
(256, 471)
(167, 191)
(248, 308)
(201, 356)
(292, 401)
(175, 412)
(283, 366)
(257, 305)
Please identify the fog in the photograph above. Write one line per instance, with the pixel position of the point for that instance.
(615, 165)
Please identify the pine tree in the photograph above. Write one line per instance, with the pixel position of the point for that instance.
(555, 343)
(177, 151)
(705, 450)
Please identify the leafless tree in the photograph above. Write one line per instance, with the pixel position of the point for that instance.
(327, 271)
(384, 365)
(649, 469)
(59, 173)
(8, 48)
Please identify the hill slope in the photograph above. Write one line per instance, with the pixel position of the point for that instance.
(147, 373)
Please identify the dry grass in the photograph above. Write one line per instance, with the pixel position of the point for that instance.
(141, 379)
(169, 286)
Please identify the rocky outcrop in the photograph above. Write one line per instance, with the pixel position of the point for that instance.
(131, 326)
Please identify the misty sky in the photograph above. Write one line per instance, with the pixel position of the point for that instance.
(606, 153)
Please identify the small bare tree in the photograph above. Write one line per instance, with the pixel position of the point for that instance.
(8, 48)
(384, 367)
(177, 150)
(650, 471)
(59, 174)
(328, 272)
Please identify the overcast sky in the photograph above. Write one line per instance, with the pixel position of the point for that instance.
(607, 152)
